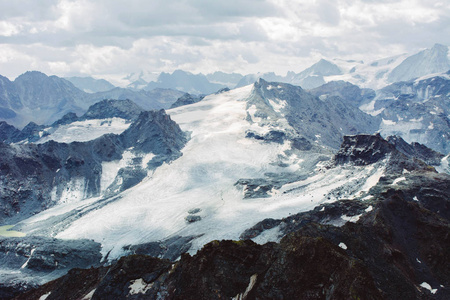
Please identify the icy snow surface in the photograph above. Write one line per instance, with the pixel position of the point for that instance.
(214, 159)
(139, 286)
(45, 296)
(444, 167)
(367, 75)
(83, 131)
(428, 287)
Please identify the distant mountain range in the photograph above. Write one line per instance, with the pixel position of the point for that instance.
(90, 85)
(36, 97)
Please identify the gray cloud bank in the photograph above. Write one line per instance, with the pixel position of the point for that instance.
(112, 38)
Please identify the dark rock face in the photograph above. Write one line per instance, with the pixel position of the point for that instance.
(299, 267)
(154, 132)
(116, 284)
(273, 136)
(363, 149)
(66, 119)
(77, 284)
(43, 254)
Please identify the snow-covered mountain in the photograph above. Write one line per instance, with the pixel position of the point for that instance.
(373, 74)
(429, 61)
(417, 110)
(248, 148)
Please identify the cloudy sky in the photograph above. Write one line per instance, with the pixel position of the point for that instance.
(112, 38)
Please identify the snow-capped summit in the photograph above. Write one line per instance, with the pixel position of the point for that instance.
(428, 61)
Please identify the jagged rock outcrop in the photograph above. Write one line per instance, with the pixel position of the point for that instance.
(368, 149)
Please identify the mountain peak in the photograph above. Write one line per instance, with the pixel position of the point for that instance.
(439, 47)
(428, 61)
(31, 74)
(126, 109)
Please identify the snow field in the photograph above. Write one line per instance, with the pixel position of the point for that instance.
(83, 131)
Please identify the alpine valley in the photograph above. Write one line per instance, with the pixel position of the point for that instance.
(331, 183)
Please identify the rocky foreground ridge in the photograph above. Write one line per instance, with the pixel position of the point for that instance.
(392, 244)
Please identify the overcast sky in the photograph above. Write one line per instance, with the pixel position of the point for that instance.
(112, 38)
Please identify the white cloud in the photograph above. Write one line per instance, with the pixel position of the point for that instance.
(112, 37)
(8, 28)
